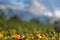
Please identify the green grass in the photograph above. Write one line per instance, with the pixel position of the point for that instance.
(13, 26)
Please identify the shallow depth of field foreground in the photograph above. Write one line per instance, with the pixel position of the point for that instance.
(13, 29)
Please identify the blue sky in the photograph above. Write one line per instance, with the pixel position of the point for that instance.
(48, 3)
(21, 3)
(36, 7)
(52, 5)
(55, 4)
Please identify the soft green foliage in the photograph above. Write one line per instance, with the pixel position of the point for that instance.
(20, 25)
(14, 25)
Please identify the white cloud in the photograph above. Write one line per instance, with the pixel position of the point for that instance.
(48, 13)
(39, 9)
(57, 13)
(36, 8)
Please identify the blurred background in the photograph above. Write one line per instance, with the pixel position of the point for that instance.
(45, 11)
